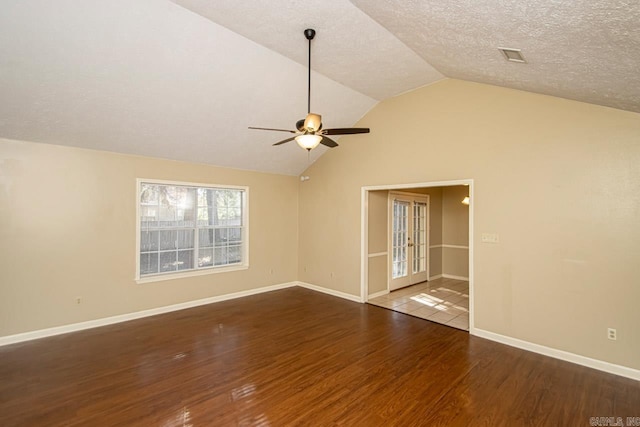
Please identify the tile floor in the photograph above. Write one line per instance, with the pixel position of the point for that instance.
(443, 301)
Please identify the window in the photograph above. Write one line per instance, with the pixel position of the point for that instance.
(190, 228)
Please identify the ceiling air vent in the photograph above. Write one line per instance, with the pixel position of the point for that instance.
(513, 55)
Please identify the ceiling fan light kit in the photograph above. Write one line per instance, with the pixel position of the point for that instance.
(309, 133)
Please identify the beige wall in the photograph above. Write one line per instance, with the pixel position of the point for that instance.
(378, 221)
(68, 224)
(455, 231)
(455, 216)
(435, 232)
(378, 270)
(558, 180)
(377, 230)
(435, 215)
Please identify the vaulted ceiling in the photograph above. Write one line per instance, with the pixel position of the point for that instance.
(183, 80)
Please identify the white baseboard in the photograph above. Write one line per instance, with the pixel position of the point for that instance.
(451, 276)
(58, 330)
(335, 293)
(448, 276)
(378, 294)
(611, 368)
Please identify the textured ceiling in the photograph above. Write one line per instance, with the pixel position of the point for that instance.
(349, 46)
(152, 78)
(183, 80)
(587, 50)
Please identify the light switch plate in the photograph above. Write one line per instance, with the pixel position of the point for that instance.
(489, 238)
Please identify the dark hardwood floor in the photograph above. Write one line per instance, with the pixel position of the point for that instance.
(296, 357)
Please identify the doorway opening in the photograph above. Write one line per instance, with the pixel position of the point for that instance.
(417, 250)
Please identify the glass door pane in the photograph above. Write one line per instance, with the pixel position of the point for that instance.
(400, 234)
(419, 237)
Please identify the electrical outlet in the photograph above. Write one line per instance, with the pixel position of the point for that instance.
(612, 334)
(78, 300)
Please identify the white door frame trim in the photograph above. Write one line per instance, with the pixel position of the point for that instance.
(364, 232)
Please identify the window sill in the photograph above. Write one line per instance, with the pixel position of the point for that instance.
(193, 273)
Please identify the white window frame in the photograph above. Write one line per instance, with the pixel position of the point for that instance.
(199, 271)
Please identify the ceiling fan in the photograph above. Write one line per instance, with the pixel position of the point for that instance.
(309, 131)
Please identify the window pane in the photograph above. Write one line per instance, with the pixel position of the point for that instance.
(205, 259)
(185, 239)
(148, 194)
(167, 216)
(185, 260)
(177, 206)
(221, 236)
(168, 239)
(200, 197)
(186, 203)
(206, 216)
(149, 241)
(233, 198)
(234, 254)
(235, 217)
(235, 235)
(148, 217)
(205, 237)
(148, 263)
(206, 198)
(221, 215)
(220, 256)
(168, 261)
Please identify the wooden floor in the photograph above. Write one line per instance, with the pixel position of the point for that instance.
(296, 357)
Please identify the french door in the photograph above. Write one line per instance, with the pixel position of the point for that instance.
(408, 239)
